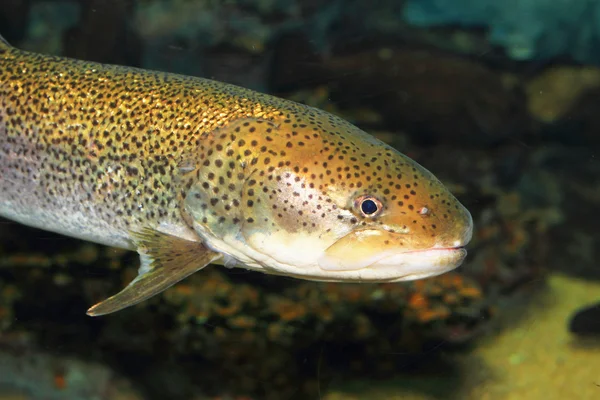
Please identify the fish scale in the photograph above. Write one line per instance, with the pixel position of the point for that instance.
(189, 171)
(105, 135)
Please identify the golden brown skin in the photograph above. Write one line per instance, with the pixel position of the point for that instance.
(78, 136)
(101, 152)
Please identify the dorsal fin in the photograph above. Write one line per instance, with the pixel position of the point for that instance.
(4, 44)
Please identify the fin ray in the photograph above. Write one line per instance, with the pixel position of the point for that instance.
(165, 260)
(4, 43)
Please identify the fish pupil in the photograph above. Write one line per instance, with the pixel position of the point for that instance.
(368, 207)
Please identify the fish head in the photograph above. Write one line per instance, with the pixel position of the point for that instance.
(406, 224)
(317, 198)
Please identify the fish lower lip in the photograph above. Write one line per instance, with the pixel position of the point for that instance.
(456, 248)
(419, 264)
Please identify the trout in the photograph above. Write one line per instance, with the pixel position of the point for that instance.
(189, 171)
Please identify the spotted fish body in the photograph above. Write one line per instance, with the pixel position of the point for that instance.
(189, 171)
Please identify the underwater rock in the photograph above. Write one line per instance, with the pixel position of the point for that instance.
(200, 37)
(9, 294)
(435, 97)
(48, 23)
(35, 374)
(178, 36)
(575, 170)
(553, 93)
(103, 34)
(586, 321)
(581, 122)
(527, 29)
(565, 99)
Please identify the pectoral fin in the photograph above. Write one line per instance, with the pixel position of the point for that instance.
(165, 260)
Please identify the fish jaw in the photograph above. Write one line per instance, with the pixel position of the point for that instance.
(403, 266)
(421, 264)
(356, 257)
(374, 255)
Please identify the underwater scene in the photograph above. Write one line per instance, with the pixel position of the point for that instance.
(299, 199)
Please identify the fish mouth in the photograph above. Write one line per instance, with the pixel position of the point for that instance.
(360, 256)
(419, 264)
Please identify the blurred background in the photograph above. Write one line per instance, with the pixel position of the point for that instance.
(501, 100)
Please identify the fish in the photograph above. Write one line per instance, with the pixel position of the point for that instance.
(189, 172)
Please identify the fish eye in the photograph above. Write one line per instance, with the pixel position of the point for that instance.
(369, 206)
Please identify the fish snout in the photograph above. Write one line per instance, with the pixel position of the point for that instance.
(459, 232)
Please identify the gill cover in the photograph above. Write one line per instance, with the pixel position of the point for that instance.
(250, 189)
